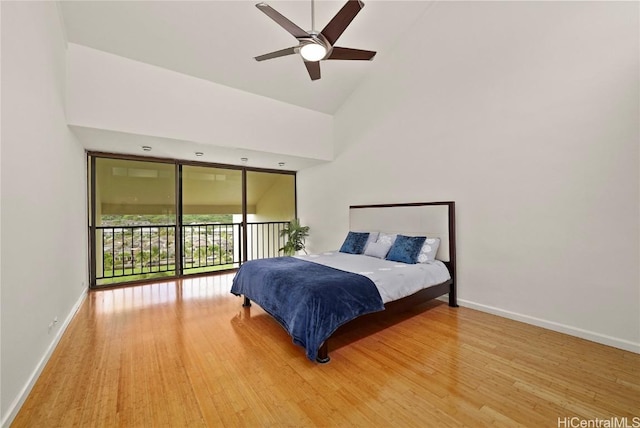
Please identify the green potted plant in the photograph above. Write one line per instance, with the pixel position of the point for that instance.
(296, 235)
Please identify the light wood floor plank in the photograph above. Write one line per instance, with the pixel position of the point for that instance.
(185, 353)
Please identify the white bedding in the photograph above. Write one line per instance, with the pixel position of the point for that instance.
(394, 280)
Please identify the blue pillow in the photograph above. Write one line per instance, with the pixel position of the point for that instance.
(355, 243)
(406, 249)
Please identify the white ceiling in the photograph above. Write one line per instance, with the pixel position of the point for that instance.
(217, 40)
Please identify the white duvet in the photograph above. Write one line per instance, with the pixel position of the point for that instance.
(394, 280)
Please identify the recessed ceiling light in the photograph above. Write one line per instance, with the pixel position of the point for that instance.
(280, 163)
(146, 148)
(244, 160)
(199, 153)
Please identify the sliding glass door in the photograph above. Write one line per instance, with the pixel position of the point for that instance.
(211, 218)
(271, 204)
(134, 213)
(152, 218)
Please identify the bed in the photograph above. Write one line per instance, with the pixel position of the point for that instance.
(312, 296)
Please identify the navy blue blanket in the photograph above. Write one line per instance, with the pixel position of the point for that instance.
(310, 300)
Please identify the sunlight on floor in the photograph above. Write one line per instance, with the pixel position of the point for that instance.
(136, 297)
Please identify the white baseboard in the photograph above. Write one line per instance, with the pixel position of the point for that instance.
(554, 326)
(19, 401)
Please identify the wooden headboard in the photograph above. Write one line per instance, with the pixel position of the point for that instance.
(432, 219)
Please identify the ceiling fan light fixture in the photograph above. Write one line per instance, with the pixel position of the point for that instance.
(313, 52)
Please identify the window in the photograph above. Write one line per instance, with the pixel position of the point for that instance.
(152, 218)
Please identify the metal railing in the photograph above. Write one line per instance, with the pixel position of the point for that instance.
(207, 245)
(264, 240)
(134, 250)
(126, 253)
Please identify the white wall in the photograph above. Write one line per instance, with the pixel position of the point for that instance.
(115, 93)
(526, 114)
(44, 240)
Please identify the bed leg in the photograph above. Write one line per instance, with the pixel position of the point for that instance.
(323, 354)
(247, 302)
(453, 301)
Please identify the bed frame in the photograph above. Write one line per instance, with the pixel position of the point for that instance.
(433, 219)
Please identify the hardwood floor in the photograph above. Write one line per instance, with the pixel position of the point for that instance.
(185, 353)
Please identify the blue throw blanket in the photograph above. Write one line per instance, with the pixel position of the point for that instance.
(310, 300)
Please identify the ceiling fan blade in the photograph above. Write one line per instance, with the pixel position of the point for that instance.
(313, 67)
(277, 54)
(348, 53)
(341, 21)
(292, 28)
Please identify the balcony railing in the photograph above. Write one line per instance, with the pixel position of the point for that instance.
(126, 253)
(207, 245)
(129, 251)
(264, 240)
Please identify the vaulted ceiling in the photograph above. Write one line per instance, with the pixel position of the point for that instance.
(218, 40)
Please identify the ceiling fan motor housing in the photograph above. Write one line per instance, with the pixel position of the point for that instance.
(315, 39)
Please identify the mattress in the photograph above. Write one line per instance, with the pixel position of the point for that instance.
(394, 280)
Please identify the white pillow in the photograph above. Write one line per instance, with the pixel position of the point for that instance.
(373, 237)
(387, 238)
(377, 249)
(429, 250)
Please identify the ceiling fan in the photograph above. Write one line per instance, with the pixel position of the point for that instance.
(316, 46)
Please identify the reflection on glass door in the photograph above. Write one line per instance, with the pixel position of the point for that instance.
(211, 218)
(135, 220)
(271, 204)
